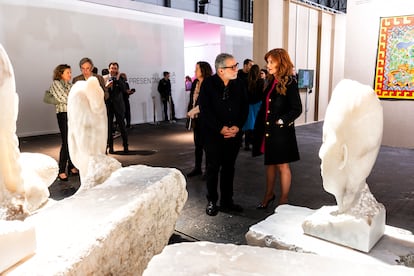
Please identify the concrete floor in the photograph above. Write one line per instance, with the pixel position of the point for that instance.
(171, 145)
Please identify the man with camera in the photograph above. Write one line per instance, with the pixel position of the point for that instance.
(115, 105)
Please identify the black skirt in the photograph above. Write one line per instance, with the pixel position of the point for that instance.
(281, 145)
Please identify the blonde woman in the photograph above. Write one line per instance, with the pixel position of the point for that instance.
(60, 90)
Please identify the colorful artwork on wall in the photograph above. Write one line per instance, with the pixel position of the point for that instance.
(394, 72)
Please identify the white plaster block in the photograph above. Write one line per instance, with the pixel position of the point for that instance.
(206, 258)
(17, 241)
(283, 230)
(111, 229)
(345, 229)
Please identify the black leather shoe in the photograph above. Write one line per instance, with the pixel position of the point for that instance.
(212, 209)
(194, 172)
(126, 150)
(231, 208)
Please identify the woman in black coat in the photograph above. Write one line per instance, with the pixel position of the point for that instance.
(203, 70)
(274, 128)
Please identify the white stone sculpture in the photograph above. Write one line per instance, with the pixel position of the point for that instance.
(352, 134)
(111, 229)
(24, 178)
(88, 132)
(206, 258)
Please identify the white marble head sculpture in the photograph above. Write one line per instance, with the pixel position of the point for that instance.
(87, 122)
(352, 134)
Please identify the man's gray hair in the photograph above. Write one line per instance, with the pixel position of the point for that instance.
(220, 60)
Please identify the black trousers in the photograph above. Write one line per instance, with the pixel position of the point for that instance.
(198, 150)
(221, 159)
(165, 103)
(119, 117)
(127, 111)
(64, 158)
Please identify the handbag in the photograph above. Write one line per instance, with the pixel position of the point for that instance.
(49, 98)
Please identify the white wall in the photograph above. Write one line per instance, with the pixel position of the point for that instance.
(315, 40)
(362, 31)
(38, 35)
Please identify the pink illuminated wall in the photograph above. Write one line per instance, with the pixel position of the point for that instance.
(202, 42)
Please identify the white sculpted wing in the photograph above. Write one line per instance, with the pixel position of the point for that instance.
(87, 122)
(10, 177)
(24, 178)
(87, 133)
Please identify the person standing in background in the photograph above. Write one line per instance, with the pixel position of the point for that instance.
(115, 105)
(164, 88)
(86, 67)
(263, 74)
(255, 86)
(223, 111)
(126, 100)
(60, 88)
(275, 134)
(242, 75)
(188, 83)
(202, 71)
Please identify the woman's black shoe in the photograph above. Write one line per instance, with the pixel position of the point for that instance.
(264, 205)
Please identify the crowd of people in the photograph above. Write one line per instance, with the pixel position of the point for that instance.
(116, 95)
(257, 104)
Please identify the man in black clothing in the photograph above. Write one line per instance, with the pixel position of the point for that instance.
(164, 88)
(115, 105)
(223, 111)
(244, 72)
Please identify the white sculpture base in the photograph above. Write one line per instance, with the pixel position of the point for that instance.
(17, 241)
(345, 229)
(283, 230)
(206, 258)
(111, 229)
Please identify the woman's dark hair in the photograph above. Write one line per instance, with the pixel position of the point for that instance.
(57, 73)
(205, 69)
(252, 77)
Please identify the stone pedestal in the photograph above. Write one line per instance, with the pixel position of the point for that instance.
(111, 229)
(283, 230)
(345, 229)
(206, 258)
(17, 241)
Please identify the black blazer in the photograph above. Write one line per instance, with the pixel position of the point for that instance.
(286, 107)
(219, 109)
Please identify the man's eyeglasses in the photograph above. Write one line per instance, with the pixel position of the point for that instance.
(234, 67)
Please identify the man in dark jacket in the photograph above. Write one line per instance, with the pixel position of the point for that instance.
(223, 111)
(164, 88)
(115, 105)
